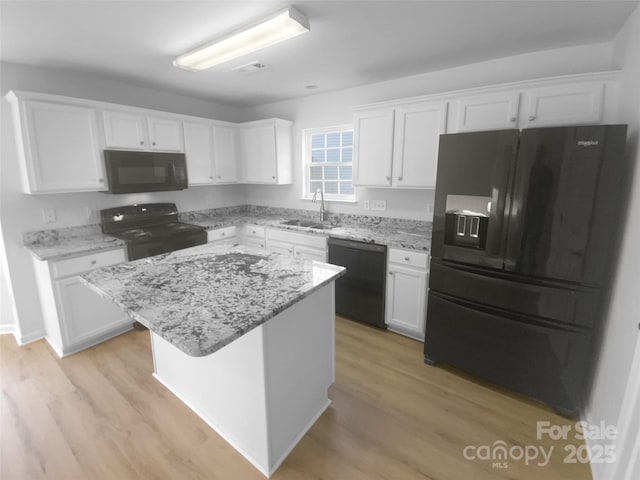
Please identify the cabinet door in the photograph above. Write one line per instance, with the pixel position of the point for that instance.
(124, 130)
(417, 133)
(63, 153)
(565, 105)
(406, 300)
(488, 112)
(84, 314)
(165, 134)
(254, 242)
(280, 247)
(373, 147)
(308, 253)
(199, 153)
(224, 154)
(258, 146)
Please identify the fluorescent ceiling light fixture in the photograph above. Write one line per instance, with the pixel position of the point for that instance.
(281, 26)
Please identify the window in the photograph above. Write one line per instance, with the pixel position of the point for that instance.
(328, 162)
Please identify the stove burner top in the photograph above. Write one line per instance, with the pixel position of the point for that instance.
(151, 229)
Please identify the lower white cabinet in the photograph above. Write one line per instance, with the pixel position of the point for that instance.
(75, 316)
(299, 245)
(253, 236)
(223, 236)
(406, 301)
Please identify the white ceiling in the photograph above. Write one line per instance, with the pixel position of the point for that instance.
(351, 42)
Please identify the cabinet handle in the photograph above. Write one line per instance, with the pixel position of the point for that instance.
(100, 180)
(512, 119)
(141, 142)
(399, 178)
(406, 259)
(219, 176)
(223, 234)
(388, 178)
(253, 231)
(93, 262)
(532, 118)
(153, 143)
(390, 273)
(273, 177)
(297, 253)
(211, 177)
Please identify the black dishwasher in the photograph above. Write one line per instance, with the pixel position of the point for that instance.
(360, 293)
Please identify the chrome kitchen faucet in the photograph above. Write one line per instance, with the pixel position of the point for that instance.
(321, 202)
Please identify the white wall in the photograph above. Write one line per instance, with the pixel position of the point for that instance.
(334, 108)
(20, 212)
(624, 314)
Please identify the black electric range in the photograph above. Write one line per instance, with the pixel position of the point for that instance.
(150, 229)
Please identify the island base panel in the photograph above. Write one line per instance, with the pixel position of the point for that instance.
(263, 391)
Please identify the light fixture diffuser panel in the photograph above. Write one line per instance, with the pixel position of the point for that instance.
(281, 26)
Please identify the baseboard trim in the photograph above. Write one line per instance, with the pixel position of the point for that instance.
(31, 337)
(8, 329)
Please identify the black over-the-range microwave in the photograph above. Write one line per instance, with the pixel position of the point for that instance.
(135, 172)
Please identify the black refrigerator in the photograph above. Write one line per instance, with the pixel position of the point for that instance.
(524, 229)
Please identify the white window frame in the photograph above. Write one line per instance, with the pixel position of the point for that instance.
(306, 163)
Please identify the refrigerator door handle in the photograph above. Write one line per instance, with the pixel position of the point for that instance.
(500, 199)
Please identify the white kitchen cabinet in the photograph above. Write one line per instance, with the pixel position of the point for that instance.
(132, 130)
(373, 147)
(253, 236)
(299, 245)
(398, 146)
(224, 154)
(198, 148)
(406, 295)
(58, 146)
(223, 236)
(492, 111)
(75, 316)
(570, 104)
(211, 153)
(265, 151)
(416, 139)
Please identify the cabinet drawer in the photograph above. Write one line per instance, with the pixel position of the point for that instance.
(221, 234)
(253, 231)
(407, 257)
(77, 265)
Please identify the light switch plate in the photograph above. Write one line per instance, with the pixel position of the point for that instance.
(378, 205)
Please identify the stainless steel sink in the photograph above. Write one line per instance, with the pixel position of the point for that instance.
(308, 224)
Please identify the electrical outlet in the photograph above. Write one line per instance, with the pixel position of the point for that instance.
(365, 204)
(49, 215)
(378, 205)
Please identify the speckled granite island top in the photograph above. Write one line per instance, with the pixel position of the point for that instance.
(202, 298)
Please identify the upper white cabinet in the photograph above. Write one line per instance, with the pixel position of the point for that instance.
(225, 156)
(488, 111)
(211, 153)
(415, 150)
(570, 103)
(135, 131)
(265, 151)
(58, 146)
(198, 147)
(580, 103)
(373, 147)
(398, 146)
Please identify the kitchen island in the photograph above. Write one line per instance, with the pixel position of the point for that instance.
(245, 338)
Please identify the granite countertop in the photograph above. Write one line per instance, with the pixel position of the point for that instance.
(202, 298)
(400, 233)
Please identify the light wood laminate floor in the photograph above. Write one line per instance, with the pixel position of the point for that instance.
(100, 414)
